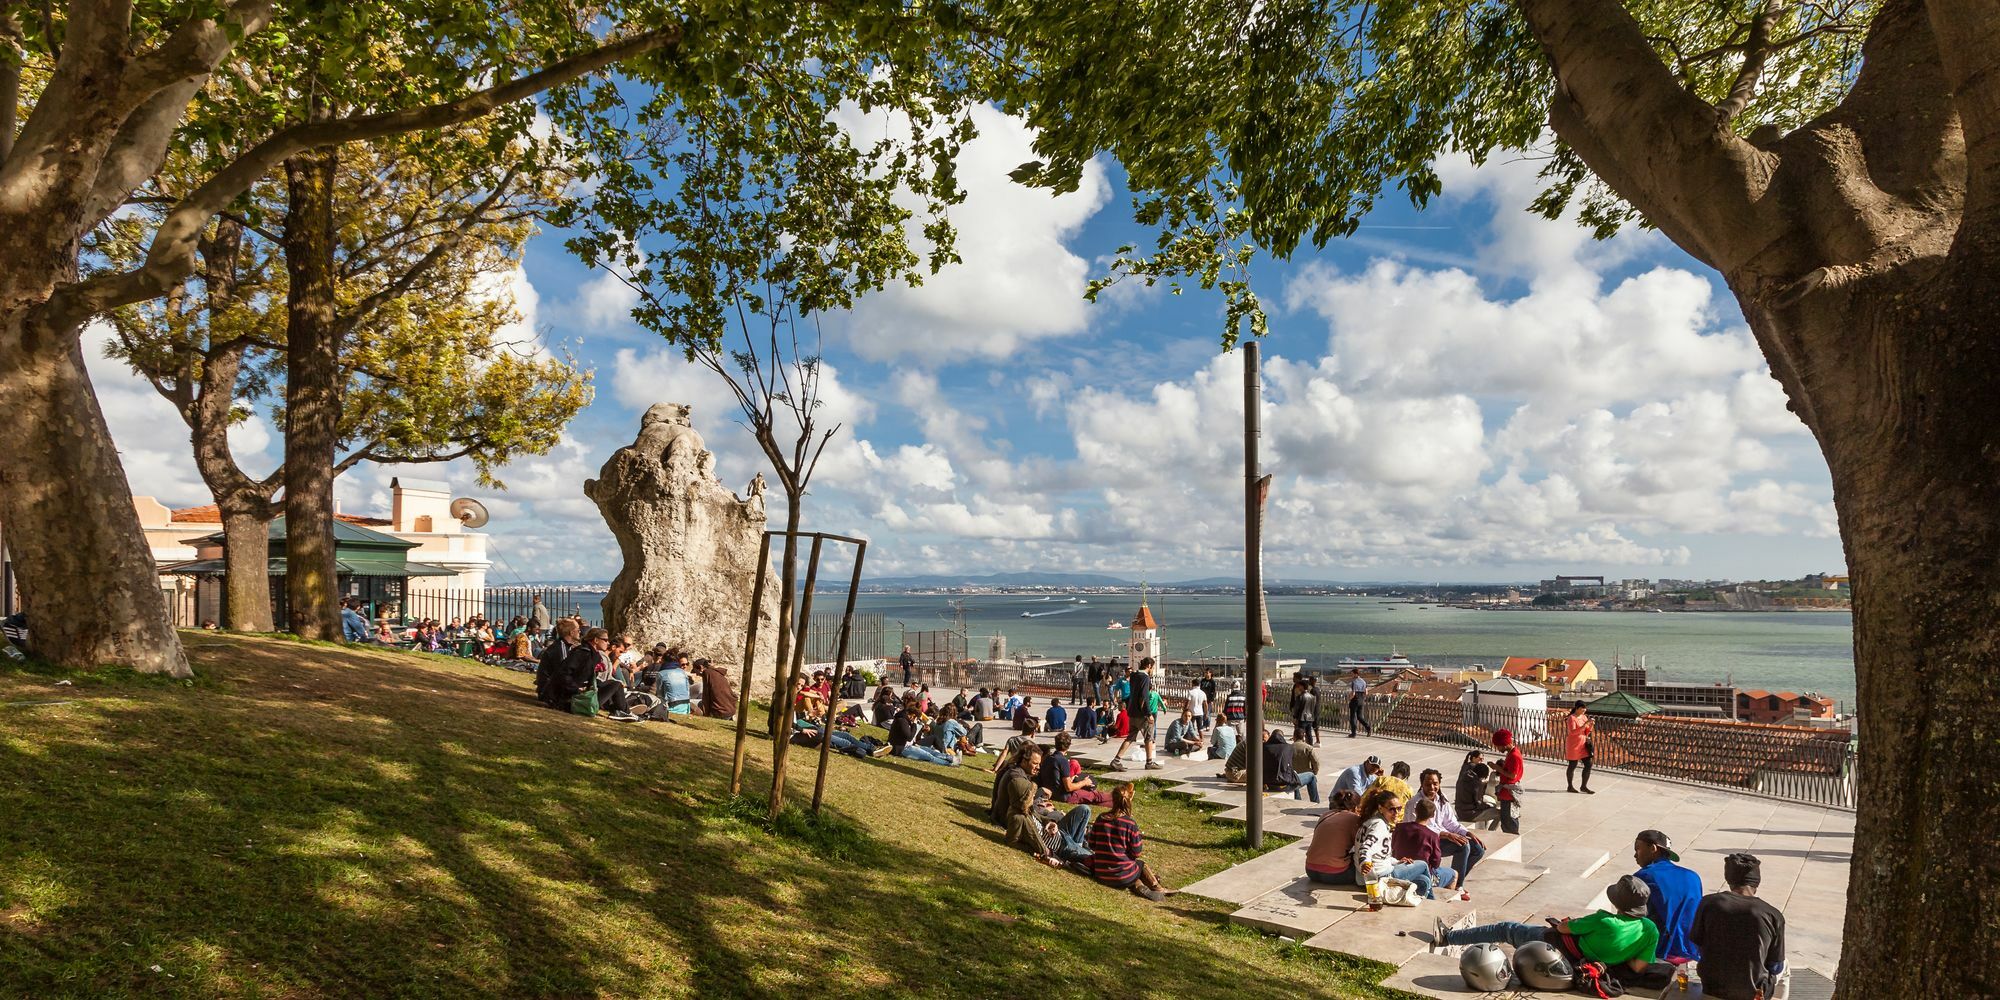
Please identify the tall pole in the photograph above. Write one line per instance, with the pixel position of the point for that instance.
(749, 667)
(1253, 589)
(839, 677)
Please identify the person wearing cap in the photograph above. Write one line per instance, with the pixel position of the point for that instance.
(1621, 938)
(1511, 770)
(1235, 706)
(1741, 937)
(1675, 892)
(1356, 779)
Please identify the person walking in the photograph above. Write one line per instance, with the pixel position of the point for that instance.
(1741, 937)
(909, 665)
(1138, 709)
(1579, 746)
(1197, 706)
(1357, 689)
(1307, 713)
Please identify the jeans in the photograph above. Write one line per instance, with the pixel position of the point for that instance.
(927, 755)
(1355, 716)
(1423, 875)
(1461, 857)
(1076, 689)
(1510, 816)
(611, 697)
(1074, 829)
(1507, 932)
(1308, 781)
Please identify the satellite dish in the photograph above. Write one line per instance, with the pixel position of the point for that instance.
(469, 512)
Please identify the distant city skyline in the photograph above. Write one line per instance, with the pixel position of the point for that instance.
(1464, 394)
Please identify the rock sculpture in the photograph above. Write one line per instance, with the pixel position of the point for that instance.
(690, 547)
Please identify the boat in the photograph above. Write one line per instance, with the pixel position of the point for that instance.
(1365, 664)
(1115, 624)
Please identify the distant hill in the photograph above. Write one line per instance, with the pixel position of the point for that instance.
(1070, 580)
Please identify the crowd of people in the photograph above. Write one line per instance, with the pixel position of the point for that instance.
(591, 671)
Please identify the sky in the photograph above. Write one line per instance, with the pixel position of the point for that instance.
(1463, 393)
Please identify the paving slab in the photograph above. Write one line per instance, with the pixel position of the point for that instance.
(1264, 873)
(1393, 934)
(1300, 909)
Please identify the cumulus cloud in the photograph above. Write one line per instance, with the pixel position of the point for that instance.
(1018, 281)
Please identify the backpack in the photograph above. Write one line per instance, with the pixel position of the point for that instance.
(1594, 979)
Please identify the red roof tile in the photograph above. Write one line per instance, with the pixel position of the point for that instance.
(1144, 619)
(211, 514)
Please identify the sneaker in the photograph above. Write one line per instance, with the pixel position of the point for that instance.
(1154, 765)
(1144, 893)
(1589, 791)
(621, 717)
(882, 751)
(1117, 764)
(1438, 931)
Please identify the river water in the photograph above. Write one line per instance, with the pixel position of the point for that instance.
(1778, 651)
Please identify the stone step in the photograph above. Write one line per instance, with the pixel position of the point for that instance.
(1428, 975)
(1302, 909)
(1253, 878)
(1392, 934)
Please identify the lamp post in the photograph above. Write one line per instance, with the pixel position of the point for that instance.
(1253, 588)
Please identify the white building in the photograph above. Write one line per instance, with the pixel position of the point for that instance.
(1505, 703)
(1144, 638)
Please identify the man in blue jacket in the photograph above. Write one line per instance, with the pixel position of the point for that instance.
(1676, 893)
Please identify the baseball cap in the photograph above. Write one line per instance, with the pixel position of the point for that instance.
(1629, 895)
(1661, 841)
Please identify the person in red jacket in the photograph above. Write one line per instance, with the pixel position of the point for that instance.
(1511, 769)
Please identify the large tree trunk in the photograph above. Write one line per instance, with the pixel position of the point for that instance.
(246, 580)
(87, 577)
(312, 396)
(1913, 454)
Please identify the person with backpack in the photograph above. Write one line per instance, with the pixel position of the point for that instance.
(1140, 705)
(1622, 940)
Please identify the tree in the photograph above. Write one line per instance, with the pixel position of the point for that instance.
(106, 86)
(1837, 162)
(418, 252)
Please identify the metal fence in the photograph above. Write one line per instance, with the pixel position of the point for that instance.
(1797, 764)
(499, 604)
(867, 637)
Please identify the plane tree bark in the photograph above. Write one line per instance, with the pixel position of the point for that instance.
(1864, 249)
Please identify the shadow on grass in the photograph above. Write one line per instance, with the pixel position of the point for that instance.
(317, 823)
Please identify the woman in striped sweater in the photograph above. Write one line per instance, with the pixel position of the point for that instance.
(1115, 846)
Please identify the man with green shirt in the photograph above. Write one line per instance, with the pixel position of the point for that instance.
(1622, 938)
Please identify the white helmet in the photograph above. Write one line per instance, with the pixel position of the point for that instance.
(1541, 967)
(1484, 967)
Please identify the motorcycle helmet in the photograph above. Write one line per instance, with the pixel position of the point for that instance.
(1540, 966)
(1484, 967)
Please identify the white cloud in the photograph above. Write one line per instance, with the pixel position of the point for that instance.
(606, 301)
(1017, 283)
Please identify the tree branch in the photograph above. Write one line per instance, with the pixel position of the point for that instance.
(1757, 50)
(171, 253)
(401, 285)
(1660, 147)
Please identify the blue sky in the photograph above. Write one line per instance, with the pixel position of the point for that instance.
(1462, 393)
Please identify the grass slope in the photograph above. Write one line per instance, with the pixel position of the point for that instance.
(309, 821)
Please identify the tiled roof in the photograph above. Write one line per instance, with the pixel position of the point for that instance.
(1525, 666)
(1714, 751)
(1144, 619)
(209, 513)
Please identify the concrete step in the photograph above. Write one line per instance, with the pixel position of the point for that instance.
(1392, 934)
(1253, 878)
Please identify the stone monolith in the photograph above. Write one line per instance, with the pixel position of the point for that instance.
(690, 547)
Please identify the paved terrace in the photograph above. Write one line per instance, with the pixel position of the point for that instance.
(1571, 846)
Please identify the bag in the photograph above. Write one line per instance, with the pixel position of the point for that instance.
(584, 702)
(1590, 748)
(1397, 892)
(660, 713)
(1593, 979)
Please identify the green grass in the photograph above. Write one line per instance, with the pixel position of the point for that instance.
(308, 821)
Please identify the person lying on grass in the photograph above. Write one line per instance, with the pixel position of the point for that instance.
(1115, 846)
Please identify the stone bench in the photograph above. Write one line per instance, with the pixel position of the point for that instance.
(1337, 917)
(1265, 873)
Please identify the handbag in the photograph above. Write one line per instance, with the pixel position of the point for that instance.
(1398, 892)
(584, 702)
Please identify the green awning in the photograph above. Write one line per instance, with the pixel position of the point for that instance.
(349, 565)
(1623, 705)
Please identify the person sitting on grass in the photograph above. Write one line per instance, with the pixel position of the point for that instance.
(1115, 846)
(906, 733)
(1184, 735)
(1414, 839)
(353, 627)
(552, 670)
(718, 695)
(1330, 855)
(1015, 803)
(673, 685)
(610, 691)
(1065, 832)
(1067, 784)
(1374, 848)
(885, 705)
(952, 736)
(1622, 940)
(1085, 725)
